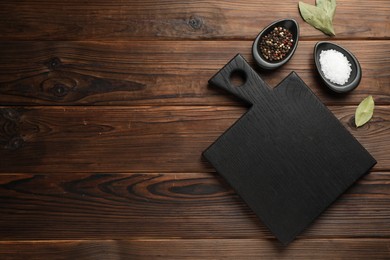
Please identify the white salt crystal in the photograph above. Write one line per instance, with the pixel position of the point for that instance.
(335, 66)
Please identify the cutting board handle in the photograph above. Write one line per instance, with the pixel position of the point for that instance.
(253, 86)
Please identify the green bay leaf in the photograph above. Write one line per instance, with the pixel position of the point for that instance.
(319, 16)
(329, 6)
(364, 111)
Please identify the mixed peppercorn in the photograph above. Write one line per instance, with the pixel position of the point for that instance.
(275, 46)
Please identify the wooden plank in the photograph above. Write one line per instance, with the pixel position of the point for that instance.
(139, 139)
(197, 205)
(153, 19)
(197, 248)
(162, 72)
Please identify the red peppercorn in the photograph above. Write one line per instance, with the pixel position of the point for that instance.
(276, 45)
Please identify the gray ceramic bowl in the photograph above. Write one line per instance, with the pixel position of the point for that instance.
(289, 24)
(356, 73)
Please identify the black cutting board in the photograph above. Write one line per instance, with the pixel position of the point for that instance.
(288, 157)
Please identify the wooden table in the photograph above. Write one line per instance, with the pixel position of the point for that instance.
(105, 110)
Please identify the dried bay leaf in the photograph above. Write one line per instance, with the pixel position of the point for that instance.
(364, 111)
(319, 16)
(329, 6)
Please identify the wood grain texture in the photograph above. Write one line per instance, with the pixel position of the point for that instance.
(167, 206)
(162, 72)
(194, 249)
(105, 109)
(153, 19)
(139, 139)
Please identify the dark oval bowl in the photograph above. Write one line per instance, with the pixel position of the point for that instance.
(356, 73)
(289, 24)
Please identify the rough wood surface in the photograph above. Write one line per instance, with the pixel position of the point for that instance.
(170, 19)
(139, 139)
(105, 110)
(161, 72)
(196, 248)
(197, 205)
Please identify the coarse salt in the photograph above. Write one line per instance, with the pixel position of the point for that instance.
(335, 66)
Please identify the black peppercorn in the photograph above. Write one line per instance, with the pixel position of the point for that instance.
(276, 45)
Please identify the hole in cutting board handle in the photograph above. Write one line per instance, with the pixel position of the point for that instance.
(238, 78)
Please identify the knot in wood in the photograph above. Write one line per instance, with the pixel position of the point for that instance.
(15, 143)
(10, 114)
(53, 63)
(59, 90)
(58, 87)
(195, 22)
(10, 137)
